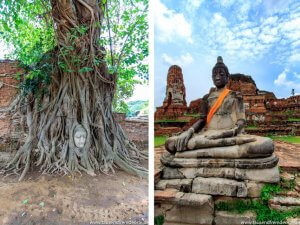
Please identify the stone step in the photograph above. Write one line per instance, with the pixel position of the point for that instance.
(283, 203)
(184, 208)
(269, 175)
(219, 186)
(230, 218)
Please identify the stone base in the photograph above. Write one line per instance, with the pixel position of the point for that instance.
(219, 186)
(184, 208)
(269, 175)
(253, 189)
(243, 163)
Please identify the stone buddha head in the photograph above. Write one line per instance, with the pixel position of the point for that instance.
(220, 73)
(79, 136)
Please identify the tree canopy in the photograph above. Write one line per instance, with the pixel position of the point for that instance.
(27, 25)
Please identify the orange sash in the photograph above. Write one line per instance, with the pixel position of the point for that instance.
(217, 104)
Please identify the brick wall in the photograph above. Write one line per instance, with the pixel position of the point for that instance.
(8, 83)
(8, 92)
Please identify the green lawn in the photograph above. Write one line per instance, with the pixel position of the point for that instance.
(294, 119)
(159, 140)
(251, 127)
(195, 115)
(290, 139)
(170, 121)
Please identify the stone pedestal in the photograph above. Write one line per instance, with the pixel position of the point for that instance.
(191, 183)
(184, 208)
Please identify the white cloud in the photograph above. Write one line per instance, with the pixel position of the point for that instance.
(141, 92)
(226, 3)
(275, 6)
(170, 25)
(294, 58)
(191, 6)
(194, 3)
(297, 75)
(283, 81)
(182, 60)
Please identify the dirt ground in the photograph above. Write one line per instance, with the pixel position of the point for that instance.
(54, 200)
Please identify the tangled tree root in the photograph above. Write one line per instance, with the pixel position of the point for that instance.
(75, 99)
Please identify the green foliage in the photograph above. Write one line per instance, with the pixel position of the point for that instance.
(159, 140)
(126, 37)
(194, 115)
(159, 220)
(263, 212)
(294, 119)
(238, 206)
(251, 127)
(268, 191)
(27, 26)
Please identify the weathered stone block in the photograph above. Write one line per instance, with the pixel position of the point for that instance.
(270, 175)
(224, 218)
(194, 162)
(184, 185)
(254, 189)
(227, 199)
(180, 208)
(219, 186)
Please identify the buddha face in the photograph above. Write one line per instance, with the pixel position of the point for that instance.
(80, 137)
(220, 77)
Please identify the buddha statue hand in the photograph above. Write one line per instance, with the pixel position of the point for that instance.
(183, 138)
(228, 133)
(223, 134)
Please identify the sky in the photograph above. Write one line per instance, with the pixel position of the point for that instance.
(260, 38)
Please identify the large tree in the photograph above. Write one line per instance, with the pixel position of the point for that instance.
(70, 81)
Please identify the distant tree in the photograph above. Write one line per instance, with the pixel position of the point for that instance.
(293, 91)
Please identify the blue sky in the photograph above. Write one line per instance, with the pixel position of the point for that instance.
(260, 38)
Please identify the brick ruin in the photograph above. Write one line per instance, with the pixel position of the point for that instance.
(174, 104)
(264, 112)
(135, 129)
(8, 92)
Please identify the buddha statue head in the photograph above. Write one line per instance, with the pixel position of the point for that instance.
(79, 136)
(220, 73)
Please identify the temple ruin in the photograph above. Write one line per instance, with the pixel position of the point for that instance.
(265, 113)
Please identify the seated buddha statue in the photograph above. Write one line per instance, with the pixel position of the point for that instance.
(219, 132)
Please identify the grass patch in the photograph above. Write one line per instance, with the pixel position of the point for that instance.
(263, 212)
(294, 119)
(159, 140)
(159, 220)
(195, 115)
(170, 121)
(251, 127)
(289, 139)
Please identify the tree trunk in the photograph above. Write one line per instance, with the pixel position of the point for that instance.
(79, 103)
